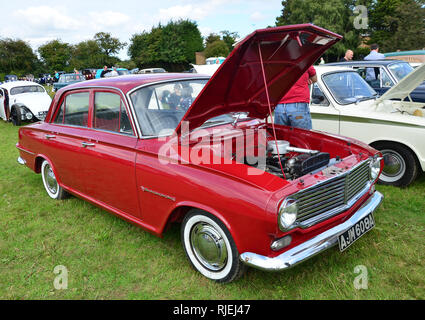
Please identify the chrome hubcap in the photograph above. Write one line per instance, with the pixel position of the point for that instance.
(208, 246)
(50, 179)
(394, 165)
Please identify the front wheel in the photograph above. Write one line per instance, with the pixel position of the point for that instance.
(400, 166)
(53, 189)
(15, 116)
(210, 247)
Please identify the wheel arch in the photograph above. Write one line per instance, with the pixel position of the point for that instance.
(410, 148)
(182, 209)
(39, 161)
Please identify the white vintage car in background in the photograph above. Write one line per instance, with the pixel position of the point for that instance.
(343, 103)
(23, 101)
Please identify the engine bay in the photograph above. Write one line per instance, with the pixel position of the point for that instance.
(294, 162)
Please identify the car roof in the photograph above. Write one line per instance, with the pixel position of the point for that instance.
(12, 84)
(365, 62)
(322, 69)
(126, 83)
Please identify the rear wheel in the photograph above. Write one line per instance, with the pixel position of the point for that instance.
(210, 247)
(53, 189)
(400, 166)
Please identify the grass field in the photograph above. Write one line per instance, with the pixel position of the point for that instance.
(108, 258)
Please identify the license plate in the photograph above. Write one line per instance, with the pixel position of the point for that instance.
(347, 238)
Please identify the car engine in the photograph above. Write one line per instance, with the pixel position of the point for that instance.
(296, 162)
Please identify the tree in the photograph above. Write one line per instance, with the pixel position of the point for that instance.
(172, 46)
(109, 46)
(334, 15)
(217, 48)
(87, 54)
(56, 55)
(16, 57)
(398, 24)
(212, 37)
(229, 38)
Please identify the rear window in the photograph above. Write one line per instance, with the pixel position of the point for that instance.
(26, 89)
(74, 110)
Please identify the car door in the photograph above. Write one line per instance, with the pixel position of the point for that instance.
(2, 105)
(108, 164)
(325, 117)
(64, 138)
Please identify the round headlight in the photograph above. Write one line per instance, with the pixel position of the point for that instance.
(288, 213)
(375, 168)
(28, 115)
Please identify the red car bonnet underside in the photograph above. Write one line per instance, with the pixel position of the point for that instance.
(238, 85)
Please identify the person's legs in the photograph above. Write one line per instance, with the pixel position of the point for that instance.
(299, 115)
(280, 116)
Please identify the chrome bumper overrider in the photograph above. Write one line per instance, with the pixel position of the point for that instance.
(313, 246)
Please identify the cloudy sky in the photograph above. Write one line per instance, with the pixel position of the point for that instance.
(38, 22)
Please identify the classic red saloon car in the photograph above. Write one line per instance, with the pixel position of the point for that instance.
(163, 148)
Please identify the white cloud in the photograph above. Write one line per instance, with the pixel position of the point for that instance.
(189, 11)
(108, 19)
(45, 17)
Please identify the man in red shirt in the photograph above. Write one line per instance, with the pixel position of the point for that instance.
(293, 109)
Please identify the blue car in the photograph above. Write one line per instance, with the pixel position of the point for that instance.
(384, 74)
(67, 79)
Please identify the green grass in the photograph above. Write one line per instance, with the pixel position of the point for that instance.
(108, 258)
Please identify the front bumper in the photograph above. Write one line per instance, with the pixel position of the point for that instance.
(313, 246)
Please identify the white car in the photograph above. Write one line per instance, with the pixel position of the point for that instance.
(343, 103)
(23, 101)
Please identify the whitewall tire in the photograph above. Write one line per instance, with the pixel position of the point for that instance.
(210, 247)
(53, 189)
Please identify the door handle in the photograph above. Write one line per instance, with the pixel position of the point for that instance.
(49, 136)
(87, 144)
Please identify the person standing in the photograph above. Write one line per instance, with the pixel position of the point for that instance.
(372, 73)
(114, 72)
(104, 71)
(374, 53)
(348, 56)
(293, 109)
(56, 76)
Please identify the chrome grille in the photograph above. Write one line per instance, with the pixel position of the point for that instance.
(333, 195)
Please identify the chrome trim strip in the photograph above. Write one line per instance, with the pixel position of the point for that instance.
(31, 153)
(157, 193)
(310, 248)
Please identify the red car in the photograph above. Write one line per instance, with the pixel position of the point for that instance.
(157, 149)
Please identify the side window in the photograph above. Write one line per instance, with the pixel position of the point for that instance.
(372, 76)
(385, 79)
(317, 97)
(74, 110)
(110, 113)
(59, 115)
